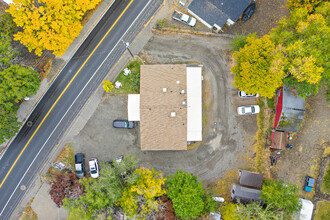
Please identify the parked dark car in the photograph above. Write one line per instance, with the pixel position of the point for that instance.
(249, 12)
(123, 124)
(79, 161)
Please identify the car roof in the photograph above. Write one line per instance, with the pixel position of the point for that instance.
(248, 108)
(92, 162)
(78, 157)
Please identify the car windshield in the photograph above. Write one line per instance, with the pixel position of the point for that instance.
(252, 109)
(93, 171)
(189, 20)
(243, 110)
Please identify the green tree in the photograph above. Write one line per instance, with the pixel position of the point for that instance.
(16, 82)
(187, 195)
(7, 53)
(282, 195)
(228, 211)
(9, 125)
(7, 24)
(139, 197)
(304, 89)
(101, 194)
(305, 41)
(256, 211)
(49, 24)
(239, 41)
(253, 70)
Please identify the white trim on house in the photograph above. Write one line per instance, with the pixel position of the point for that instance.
(194, 103)
(133, 107)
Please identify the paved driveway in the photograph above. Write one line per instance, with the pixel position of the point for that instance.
(226, 135)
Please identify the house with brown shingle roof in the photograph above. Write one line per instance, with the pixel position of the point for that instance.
(169, 106)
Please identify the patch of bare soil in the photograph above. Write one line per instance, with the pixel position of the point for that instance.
(266, 16)
(309, 144)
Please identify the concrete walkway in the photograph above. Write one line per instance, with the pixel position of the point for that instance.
(45, 208)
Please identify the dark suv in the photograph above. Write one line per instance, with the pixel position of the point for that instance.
(79, 161)
(123, 124)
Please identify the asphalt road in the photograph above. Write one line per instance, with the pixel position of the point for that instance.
(66, 97)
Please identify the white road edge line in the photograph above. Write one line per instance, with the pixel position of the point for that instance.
(72, 105)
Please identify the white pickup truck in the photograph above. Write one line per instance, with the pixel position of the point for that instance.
(186, 19)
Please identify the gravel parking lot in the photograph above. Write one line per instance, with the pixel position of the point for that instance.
(227, 137)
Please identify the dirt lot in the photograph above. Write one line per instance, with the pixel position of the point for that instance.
(265, 17)
(309, 144)
(227, 137)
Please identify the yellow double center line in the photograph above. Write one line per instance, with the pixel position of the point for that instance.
(20, 154)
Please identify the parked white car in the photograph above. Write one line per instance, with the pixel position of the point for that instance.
(243, 94)
(248, 110)
(186, 19)
(94, 168)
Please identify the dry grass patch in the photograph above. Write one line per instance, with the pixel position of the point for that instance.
(28, 213)
(66, 156)
(45, 67)
(225, 184)
(262, 153)
(325, 186)
(322, 210)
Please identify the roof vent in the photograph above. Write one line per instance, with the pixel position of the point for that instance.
(164, 89)
(182, 91)
(173, 114)
(183, 102)
(178, 82)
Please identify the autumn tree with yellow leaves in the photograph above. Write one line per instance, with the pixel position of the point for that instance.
(305, 44)
(139, 197)
(296, 53)
(253, 70)
(49, 24)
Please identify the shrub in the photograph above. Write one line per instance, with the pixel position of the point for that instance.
(282, 195)
(160, 24)
(187, 194)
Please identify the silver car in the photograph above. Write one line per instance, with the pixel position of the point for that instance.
(248, 110)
